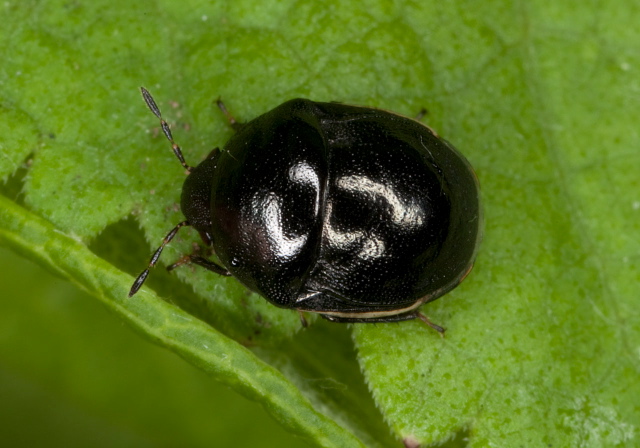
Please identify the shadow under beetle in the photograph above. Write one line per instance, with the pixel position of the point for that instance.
(355, 213)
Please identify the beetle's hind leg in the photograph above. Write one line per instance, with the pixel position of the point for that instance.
(425, 319)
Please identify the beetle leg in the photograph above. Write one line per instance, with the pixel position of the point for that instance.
(185, 259)
(200, 261)
(235, 125)
(426, 320)
(154, 258)
(303, 320)
(423, 112)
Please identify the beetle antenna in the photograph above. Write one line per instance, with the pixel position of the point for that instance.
(156, 255)
(153, 107)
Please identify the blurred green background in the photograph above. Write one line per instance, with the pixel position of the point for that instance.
(72, 375)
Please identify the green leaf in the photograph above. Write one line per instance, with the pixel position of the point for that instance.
(72, 375)
(543, 337)
(169, 326)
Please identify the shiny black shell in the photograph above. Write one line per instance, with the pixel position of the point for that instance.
(355, 213)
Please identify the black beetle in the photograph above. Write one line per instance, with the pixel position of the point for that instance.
(355, 213)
